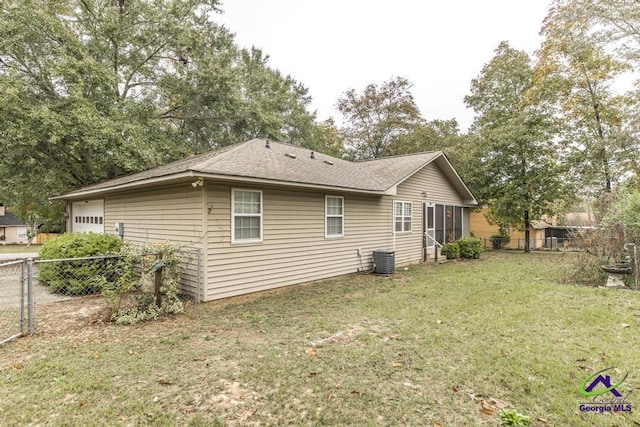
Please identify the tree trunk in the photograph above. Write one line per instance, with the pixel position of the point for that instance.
(527, 248)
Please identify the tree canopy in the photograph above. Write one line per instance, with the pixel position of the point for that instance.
(518, 172)
(93, 89)
(576, 74)
(376, 118)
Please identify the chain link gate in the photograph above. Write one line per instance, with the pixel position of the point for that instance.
(16, 300)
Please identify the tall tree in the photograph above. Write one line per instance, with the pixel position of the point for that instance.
(576, 73)
(376, 118)
(434, 135)
(616, 23)
(519, 172)
(93, 89)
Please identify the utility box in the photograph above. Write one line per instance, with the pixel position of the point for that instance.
(384, 261)
(119, 229)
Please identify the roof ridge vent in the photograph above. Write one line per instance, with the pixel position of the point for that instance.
(313, 155)
(267, 145)
(329, 162)
(291, 155)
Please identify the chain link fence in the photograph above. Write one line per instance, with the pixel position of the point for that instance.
(13, 294)
(24, 284)
(549, 243)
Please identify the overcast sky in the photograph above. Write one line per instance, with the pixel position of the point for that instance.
(335, 45)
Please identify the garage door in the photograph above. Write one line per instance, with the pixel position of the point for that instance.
(88, 217)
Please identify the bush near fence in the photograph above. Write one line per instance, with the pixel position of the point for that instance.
(550, 243)
(85, 267)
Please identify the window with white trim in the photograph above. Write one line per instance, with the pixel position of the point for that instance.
(334, 216)
(246, 218)
(402, 216)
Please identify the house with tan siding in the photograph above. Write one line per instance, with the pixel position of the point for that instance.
(265, 214)
(12, 230)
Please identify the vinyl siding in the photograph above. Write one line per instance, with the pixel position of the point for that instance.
(294, 247)
(437, 189)
(173, 213)
(11, 235)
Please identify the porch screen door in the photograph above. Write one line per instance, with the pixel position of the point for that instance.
(428, 226)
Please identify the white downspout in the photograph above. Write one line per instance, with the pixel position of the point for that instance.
(393, 223)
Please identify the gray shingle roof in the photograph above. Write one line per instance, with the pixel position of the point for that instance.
(9, 219)
(282, 163)
(392, 170)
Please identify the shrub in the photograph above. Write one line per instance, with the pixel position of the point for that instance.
(451, 250)
(499, 241)
(470, 247)
(601, 246)
(143, 263)
(79, 277)
(588, 270)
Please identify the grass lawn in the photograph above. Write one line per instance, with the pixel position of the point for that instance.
(19, 249)
(438, 345)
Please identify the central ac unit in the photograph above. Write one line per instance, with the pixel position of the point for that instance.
(384, 261)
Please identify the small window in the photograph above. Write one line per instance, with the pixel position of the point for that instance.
(334, 216)
(246, 208)
(100, 220)
(402, 216)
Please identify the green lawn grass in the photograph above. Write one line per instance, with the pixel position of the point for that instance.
(19, 249)
(448, 345)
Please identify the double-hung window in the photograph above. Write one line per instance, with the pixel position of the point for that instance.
(334, 216)
(246, 208)
(402, 216)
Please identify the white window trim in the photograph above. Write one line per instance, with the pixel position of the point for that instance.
(403, 216)
(326, 216)
(233, 217)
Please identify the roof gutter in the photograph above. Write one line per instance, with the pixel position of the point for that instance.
(81, 194)
(229, 178)
(250, 180)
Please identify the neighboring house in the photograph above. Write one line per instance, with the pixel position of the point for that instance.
(12, 230)
(547, 232)
(481, 228)
(559, 231)
(267, 214)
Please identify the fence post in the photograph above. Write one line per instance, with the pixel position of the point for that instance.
(158, 279)
(22, 279)
(30, 295)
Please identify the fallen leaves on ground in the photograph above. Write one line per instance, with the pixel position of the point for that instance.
(488, 405)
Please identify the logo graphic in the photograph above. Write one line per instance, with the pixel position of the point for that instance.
(605, 381)
(605, 396)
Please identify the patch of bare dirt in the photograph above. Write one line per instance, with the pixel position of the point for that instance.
(76, 313)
